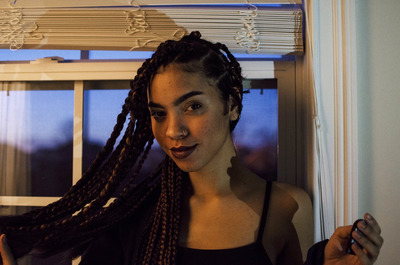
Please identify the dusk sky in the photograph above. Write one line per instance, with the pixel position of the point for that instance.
(45, 118)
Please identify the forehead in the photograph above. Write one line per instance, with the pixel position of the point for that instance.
(171, 82)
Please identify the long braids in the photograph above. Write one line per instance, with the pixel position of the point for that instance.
(81, 213)
(192, 55)
(55, 227)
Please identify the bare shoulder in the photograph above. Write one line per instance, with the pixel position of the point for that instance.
(282, 204)
(294, 207)
(292, 192)
(289, 199)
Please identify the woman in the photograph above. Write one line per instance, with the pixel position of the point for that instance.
(201, 206)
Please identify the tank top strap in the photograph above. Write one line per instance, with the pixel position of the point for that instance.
(264, 212)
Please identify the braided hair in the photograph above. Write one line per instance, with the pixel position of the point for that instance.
(81, 213)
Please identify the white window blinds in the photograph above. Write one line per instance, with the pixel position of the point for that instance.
(266, 30)
(98, 3)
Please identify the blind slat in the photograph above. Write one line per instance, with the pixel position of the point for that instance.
(265, 30)
(123, 3)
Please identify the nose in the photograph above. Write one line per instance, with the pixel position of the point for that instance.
(177, 128)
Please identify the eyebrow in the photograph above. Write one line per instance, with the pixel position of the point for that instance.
(178, 100)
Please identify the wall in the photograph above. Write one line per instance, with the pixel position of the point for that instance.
(378, 78)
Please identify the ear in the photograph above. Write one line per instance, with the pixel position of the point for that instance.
(233, 109)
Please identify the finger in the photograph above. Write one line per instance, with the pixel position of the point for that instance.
(365, 260)
(5, 251)
(372, 222)
(342, 236)
(343, 232)
(371, 249)
(371, 231)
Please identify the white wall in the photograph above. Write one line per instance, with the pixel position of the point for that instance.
(378, 78)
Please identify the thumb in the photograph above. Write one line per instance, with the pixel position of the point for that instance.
(5, 252)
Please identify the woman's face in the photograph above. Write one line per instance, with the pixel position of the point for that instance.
(188, 119)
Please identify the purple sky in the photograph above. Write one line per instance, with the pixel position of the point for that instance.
(45, 118)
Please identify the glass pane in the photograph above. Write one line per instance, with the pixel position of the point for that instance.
(104, 55)
(247, 56)
(32, 54)
(256, 135)
(36, 131)
(100, 118)
(119, 54)
(102, 104)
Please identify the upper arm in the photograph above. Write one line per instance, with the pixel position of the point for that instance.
(291, 251)
(303, 221)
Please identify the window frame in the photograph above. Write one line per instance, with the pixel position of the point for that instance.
(82, 70)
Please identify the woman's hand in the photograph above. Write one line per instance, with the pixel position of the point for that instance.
(367, 250)
(5, 252)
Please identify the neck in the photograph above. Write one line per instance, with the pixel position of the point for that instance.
(219, 182)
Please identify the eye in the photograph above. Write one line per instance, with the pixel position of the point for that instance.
(194, 106)
(158, 115)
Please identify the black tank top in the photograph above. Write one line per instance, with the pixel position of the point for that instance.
(252, 254)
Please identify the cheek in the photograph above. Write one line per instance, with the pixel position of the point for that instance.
(208, 128)
(157, 131)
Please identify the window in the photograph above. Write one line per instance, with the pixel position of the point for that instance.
(83, 86)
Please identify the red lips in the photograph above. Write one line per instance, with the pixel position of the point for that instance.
(182, 151)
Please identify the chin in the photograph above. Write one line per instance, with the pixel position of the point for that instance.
(186, 166)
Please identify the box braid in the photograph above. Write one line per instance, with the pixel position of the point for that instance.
(81, 213)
